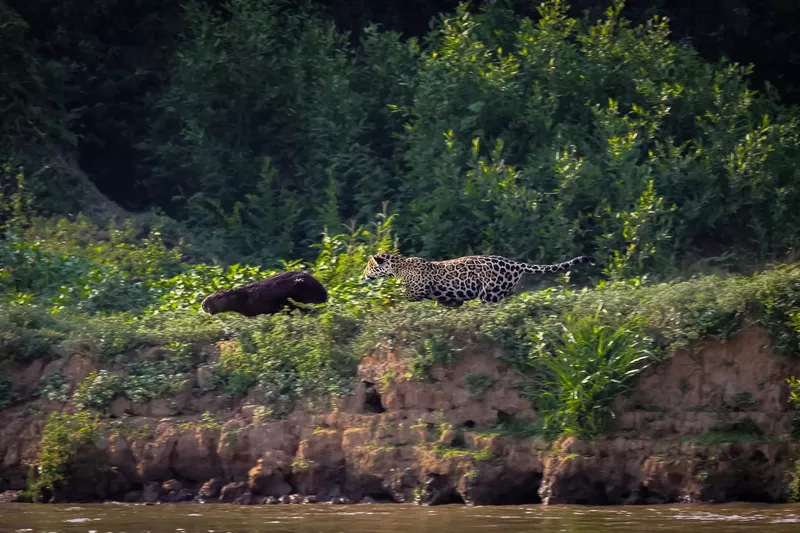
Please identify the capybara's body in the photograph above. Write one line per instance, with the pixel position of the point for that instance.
(267, 296)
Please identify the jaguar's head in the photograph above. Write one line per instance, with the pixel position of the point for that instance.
(381, 265)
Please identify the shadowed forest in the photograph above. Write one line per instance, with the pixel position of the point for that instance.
(533, 131)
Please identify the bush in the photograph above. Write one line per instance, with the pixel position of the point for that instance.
(54, 387)
(64, 437)
(97, 391)
(592, 362)
(28, 333)
(478, 384)
(291, 359)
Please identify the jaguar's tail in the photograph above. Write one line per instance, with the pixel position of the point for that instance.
(557, 267)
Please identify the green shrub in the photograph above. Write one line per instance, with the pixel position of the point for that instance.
(28, 333)
(292, 358)
(794, 483)
(432, 350)
(64, 437)
(586, 367)
(164, 378)
(478, 384)
(98, 390)
(54, 387)
(794, 391)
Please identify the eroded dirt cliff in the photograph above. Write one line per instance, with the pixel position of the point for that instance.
(710, 424)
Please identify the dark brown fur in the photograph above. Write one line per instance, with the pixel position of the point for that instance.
(267, 296)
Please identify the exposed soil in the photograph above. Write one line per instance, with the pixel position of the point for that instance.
(396, 439)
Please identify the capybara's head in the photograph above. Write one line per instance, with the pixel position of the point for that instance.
(218, 302)
(381, 265)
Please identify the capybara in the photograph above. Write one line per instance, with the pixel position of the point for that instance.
(267, 296)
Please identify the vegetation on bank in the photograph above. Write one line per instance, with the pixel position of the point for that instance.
(72, 287)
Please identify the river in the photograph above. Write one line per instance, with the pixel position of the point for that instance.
(190, 518)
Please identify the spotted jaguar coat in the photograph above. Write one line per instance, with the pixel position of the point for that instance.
(451, 283)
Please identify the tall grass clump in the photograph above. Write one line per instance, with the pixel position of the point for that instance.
(591, 362)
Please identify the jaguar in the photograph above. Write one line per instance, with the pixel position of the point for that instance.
(455, 281)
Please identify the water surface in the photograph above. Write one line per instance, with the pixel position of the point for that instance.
(194, 518)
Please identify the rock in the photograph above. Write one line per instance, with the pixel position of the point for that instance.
(438, 490)
(151, 492)
(133, 496)
(339, 500)
(11, 496)
(310, 499)
(78, 369)
(513, 483)
(320, 463)
(155, 457)
(26, 381)
(366, 500)
(210, 489)
(233, 491)
(171, 485)
(161, 407)
(180, 496)
(245, 499)
(269, 475)
(295, 498)
(206, 380)
(120, 406)
(385, 454)
(242, 445)
(195, 455)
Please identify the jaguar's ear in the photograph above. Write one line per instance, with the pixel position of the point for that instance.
(380, 260)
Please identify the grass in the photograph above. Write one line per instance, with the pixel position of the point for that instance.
(478, 384)
(454, 452)
(585, 368)
(744, 432)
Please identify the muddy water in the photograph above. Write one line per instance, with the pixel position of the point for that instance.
(188, 518)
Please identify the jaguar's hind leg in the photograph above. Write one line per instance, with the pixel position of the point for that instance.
(489, 297)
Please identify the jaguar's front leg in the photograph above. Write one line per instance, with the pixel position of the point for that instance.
(414, 294)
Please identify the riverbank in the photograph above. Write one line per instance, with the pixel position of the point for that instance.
(711, 424)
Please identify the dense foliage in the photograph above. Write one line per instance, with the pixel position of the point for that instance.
(538, 138)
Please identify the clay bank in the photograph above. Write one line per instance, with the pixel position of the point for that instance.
(710, 424)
